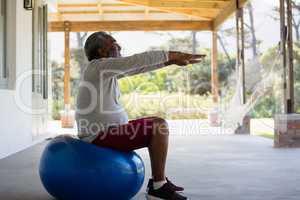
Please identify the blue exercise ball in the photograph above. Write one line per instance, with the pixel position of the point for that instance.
(71, 169)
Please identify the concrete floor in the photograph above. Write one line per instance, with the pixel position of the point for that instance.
(220, 167)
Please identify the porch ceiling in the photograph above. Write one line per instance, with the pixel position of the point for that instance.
(135, 15)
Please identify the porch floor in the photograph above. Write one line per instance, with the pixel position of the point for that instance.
(210, 167)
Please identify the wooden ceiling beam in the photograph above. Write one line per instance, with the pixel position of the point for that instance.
(92, 5)
(205, 12)
(201, 9)
(89, 26)
(196, 14)
(199, 1)
(158, 4)
(194, 4)
(91, 12)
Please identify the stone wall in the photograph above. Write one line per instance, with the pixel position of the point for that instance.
(287, 131)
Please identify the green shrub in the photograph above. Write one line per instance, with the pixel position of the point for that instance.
(167, 105)
(57, 106)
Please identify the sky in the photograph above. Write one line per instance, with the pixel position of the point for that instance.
(267, 30)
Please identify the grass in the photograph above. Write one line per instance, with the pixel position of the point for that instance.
(167, 105)
(263, 127)
(268, 135)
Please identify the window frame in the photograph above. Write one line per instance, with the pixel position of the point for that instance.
(40, 50)
(4, 69)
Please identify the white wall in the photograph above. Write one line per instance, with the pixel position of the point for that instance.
(16, 125)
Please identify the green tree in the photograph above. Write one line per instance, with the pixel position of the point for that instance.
(57, 88)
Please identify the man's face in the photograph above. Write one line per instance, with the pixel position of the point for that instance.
(112, 48)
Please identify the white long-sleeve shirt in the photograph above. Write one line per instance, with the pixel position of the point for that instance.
(97, 105)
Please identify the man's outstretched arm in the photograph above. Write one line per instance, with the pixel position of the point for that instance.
(123, 65)
(174, 58)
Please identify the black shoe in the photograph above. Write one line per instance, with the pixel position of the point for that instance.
(174, 187)
(164, 193)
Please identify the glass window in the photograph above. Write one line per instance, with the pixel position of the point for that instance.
(40, 60)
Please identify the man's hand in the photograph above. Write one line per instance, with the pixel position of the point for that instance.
(183, 59)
